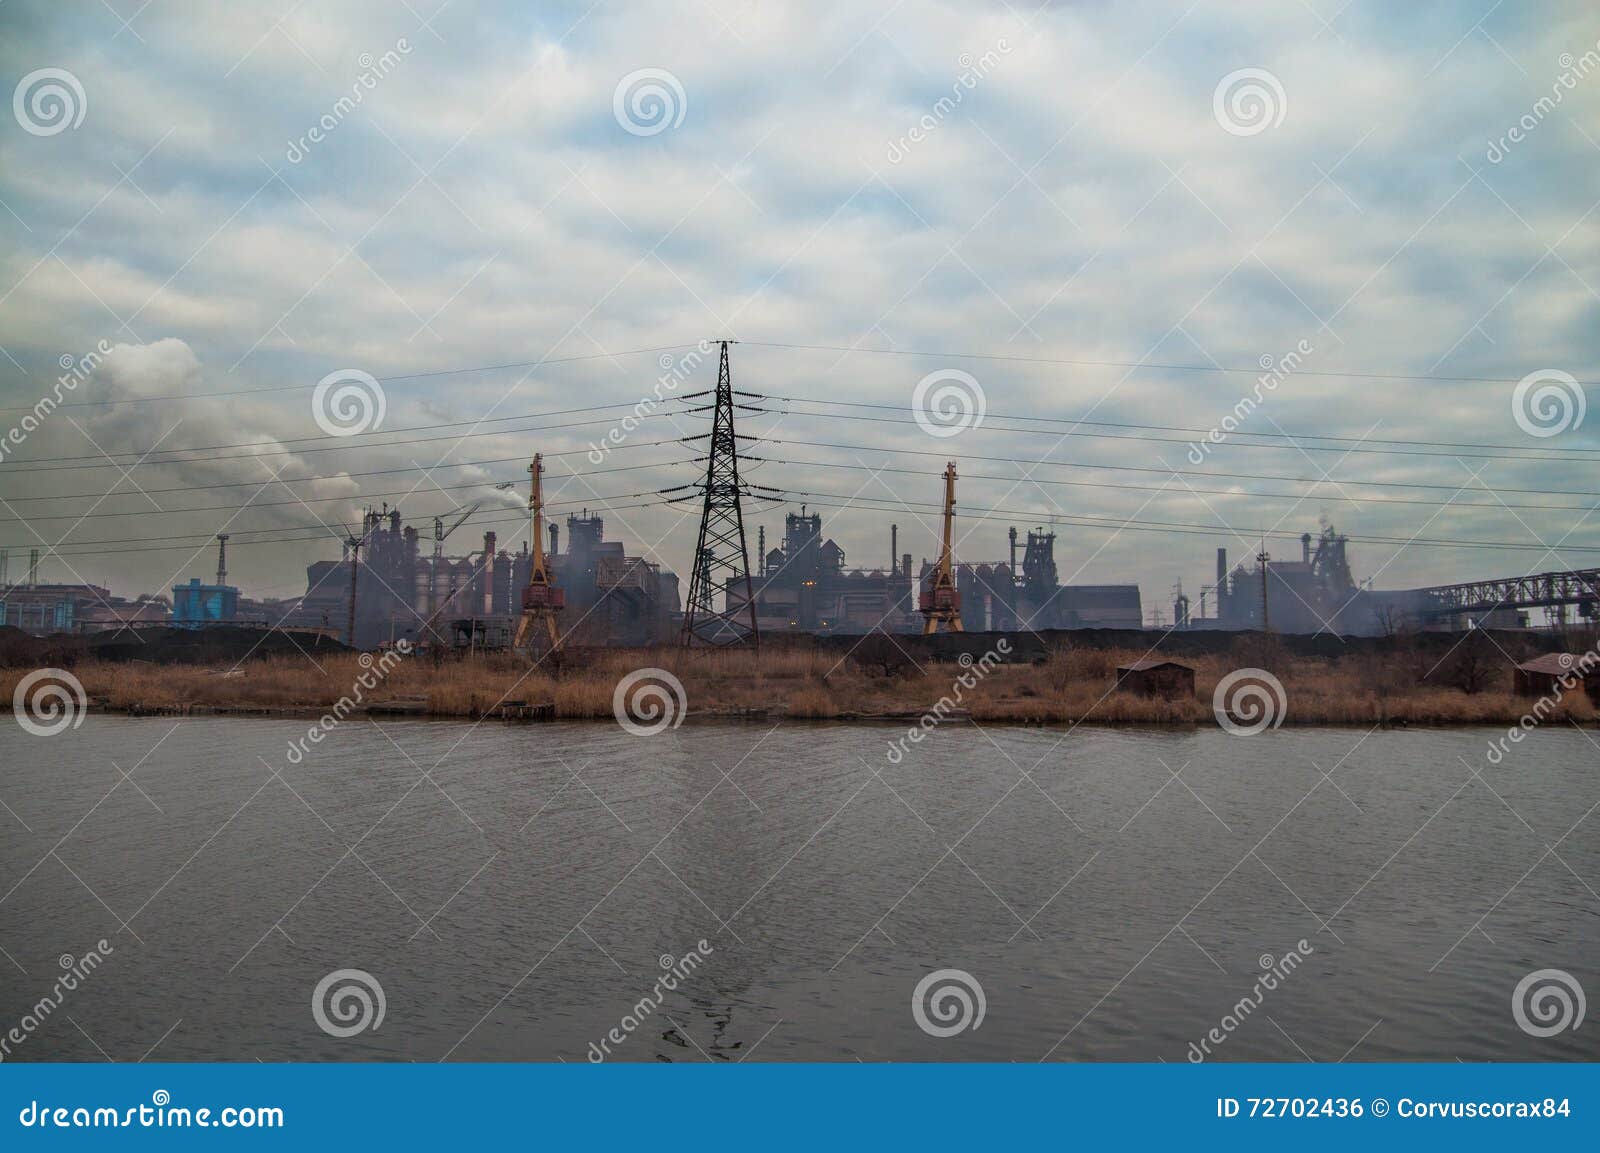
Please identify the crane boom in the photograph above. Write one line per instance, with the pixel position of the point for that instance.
(940, 603)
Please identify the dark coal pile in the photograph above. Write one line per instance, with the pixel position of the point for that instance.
(215, 645)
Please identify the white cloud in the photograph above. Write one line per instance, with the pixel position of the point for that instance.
(1141, 230)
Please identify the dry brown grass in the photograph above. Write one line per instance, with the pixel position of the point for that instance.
(1072, 685)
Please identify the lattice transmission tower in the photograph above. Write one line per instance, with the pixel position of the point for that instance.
(721, 559)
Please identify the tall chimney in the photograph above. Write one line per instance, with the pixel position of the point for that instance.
(1305, 547)
(761, 550)
(555, 537)
(489, 540)
(1222, 566)
(1013, 552)
(222, 559)
(894, 546)
(33, 566)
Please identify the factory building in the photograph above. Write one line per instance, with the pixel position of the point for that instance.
(42, 608)
(195, 605)
(611, 598)
(1317, 593)
(1309, 595)
(1006, 595)
(803, 585)
(474, 600)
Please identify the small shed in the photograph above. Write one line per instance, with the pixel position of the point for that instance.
(1557, 673)
(1156, 678)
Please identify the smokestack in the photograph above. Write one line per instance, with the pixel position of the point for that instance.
(761, 550)
(894, 546)
(222, 559)
(5, 567)
(555, 537)
(1305, 547)
(33, 567)
(1222, 566)
(1013, 535)
(489, 540)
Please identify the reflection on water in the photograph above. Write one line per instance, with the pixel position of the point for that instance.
(516, 890)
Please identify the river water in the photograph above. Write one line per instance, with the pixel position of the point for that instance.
(515, 890)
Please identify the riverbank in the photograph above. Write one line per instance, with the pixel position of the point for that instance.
(1065, 685)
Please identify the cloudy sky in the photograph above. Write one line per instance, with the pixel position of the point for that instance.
(510, 215)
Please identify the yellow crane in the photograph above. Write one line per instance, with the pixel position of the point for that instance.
(940, 602)
(541, 600)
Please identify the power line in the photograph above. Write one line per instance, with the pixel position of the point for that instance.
(658, 498)
(381, 379)
(1253, 370)
(1230, 441)
(1551, 453)
(281, 440)
(784, 440)
(1184, 489)
(875, 504)
(204, 539)
(1201, 432)
(288, 480)
(100, 462)
(966, 456)
(252, 505)
(1184, 527)
(345, 446)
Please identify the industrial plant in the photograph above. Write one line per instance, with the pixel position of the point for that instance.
(395, 582)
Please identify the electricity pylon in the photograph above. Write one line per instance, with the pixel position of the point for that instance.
(721, 557)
